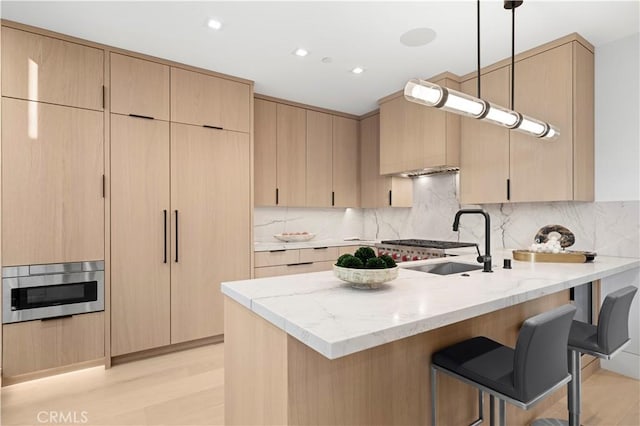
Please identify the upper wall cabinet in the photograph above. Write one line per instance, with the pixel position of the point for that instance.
(265, 146)
(139, 87)
(205, 100)
(319, 159)
(376, 190)
(414, 137)
(346, 172)
(554, 84)
(46, 69)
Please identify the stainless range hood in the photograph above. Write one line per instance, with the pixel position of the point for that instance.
(429, 171)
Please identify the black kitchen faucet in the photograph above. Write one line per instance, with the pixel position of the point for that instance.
(486, 259)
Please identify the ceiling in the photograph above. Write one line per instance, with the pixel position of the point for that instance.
(257, 39)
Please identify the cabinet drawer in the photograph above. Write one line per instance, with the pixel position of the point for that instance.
(349, 249)
(202, 99)
(49, 70)
(318, 254)
(276, 257)
(139, 87)
(37, 345)
(291, 269)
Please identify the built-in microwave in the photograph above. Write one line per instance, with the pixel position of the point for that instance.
(33, 292)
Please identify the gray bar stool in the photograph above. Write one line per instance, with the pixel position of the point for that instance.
(605, 341)
(522, 376)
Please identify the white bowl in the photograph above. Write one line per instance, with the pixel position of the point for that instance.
(365, 278)
(294, 237)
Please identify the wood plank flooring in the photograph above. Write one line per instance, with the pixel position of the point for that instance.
(187, 388)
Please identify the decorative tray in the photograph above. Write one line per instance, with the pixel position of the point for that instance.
(297, 237)
(567, 256)
(365, 278)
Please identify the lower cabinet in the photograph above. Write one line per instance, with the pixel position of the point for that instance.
(179, 197)
(298, 261)
(38, 345)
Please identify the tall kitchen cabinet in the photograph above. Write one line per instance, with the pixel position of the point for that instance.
(377, 190)
(554, 83)
(180, 195)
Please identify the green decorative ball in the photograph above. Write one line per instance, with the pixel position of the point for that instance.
(352, 262)
(365, 253)
(375, 263)
(388, 260)
(342, 258)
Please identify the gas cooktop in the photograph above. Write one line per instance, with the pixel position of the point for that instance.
(428, 243)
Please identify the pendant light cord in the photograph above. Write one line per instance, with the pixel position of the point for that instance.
(478, 48)
(513, 53)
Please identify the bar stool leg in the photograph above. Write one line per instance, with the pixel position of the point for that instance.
(503, 412)
(492, 411)
(434, 396)
(573, 394)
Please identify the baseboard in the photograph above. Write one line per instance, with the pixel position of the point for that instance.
(121, 359)
(12, 380)
(625, 363)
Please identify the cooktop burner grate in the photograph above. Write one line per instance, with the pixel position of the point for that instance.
(428, 243)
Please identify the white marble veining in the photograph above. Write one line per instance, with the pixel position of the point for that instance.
(337, 320)
(328, 224)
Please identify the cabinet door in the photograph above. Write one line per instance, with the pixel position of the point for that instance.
(319, 159)
(45, 69)
(139, 87)
(393, 143)
(291, 155)
(377, 190)
(543, 170)
(52, 163)
(264, 161)
(346, 173)
(140, 272)
(484, 153)
(205, 100)
(210, 185)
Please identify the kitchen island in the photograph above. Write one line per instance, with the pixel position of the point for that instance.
(309, 349)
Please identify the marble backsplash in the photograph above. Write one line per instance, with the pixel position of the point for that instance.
(609, 228)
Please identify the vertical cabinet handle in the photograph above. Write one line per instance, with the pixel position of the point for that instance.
(176, 236)
(390, 198)
(508, 189)
(277, 196)
(165, 236)
(333, 198)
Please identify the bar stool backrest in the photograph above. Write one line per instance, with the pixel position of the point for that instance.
(613, 321)
(540, 359)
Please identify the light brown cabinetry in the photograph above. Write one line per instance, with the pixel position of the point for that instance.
(346, 171)
(210, 189)
(555, 84)
(294, 261)
(319, 161)
(377, 190)
(414, 138)
(291, 127)
(46, 69)
(140, 229)
(265, 153)
(139, 87)
(484, 147)
(38, 345)
(206, 100)
(52, 162)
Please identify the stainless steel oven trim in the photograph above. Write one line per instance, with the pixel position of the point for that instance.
(10, 316)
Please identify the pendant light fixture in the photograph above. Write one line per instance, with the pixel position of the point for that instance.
(433, 95)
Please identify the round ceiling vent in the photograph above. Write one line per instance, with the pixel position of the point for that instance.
(418, 37)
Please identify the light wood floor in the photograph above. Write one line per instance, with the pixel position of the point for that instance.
(187, 388)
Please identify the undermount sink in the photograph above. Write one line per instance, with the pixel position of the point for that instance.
(446, 268)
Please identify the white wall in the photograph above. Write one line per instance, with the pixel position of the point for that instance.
(617, 122)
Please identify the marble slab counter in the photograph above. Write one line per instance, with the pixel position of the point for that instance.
(336, 320)
(280, 245)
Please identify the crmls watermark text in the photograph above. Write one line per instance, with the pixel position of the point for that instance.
(56, 417)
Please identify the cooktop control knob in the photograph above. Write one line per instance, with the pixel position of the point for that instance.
(405, 258)
(416, 257)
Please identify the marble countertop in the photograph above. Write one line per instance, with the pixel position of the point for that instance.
(279, 245)
(336, 320)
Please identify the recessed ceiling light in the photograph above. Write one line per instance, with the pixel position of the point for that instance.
(418, 37)
(300, 52)
(357, 70)
(214, 24)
